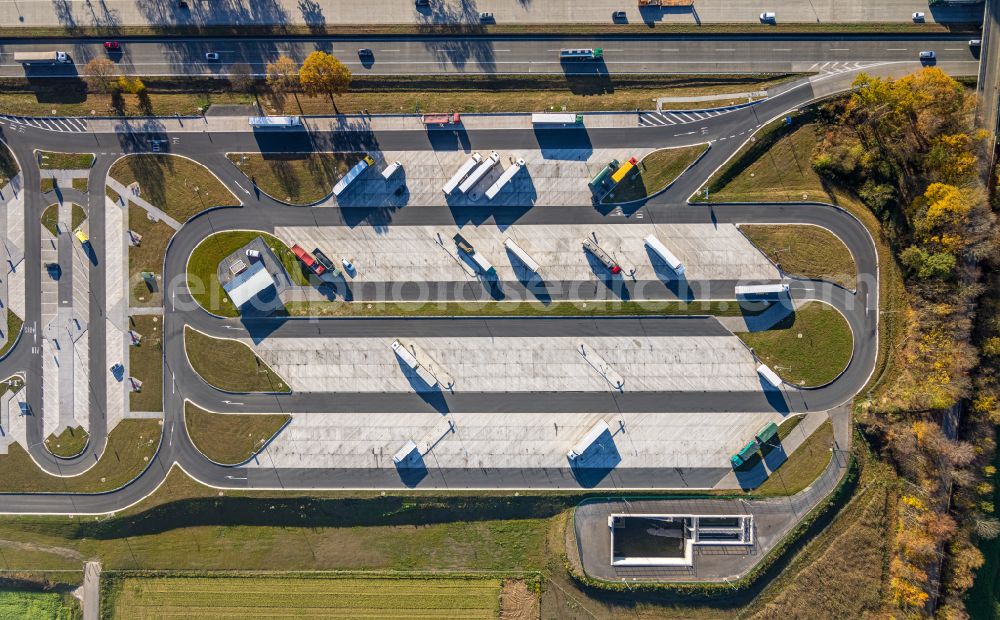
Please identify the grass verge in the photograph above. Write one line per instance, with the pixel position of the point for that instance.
(50, 218)
(385, 94)
(230, 365)
(80, 184)
(202, 267)
(47, 185)
(68, 443)
(655, 172)
(14, 324)
(147, 256)
(33, 605)
(178, 186)
(803, 466)
(358, 597)
(295, 178)
(809, 348)
(230, 439)
(8, 165)
(51, 160)
(805, 251)
(146, 363)
(130, 446)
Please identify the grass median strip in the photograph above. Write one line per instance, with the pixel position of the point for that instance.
(246, 596)
(802, 467)
(805, 251)
(230, 438)
(230, 365)
(295, 178)
(202, 268)
(130, 446)
(146, 362)
(68, 443)
(178, 186)
(51, 160)
(655, 171)
(809, 348)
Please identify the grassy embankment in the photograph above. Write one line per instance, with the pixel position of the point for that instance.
(146, 362)
(14, 324)
(803, 466)
(655, 171)
(8, 165)
(51, 160)
(304, 596)
(295, 178)
(806, 252)
(178, 186)
(202, 268)
(809, 348)
(385, 94)
(68, 443)
(230, 439)
(50, 218)
(230, 365)
(777, 167)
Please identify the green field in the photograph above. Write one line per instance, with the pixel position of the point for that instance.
(295, 178)
(180, 187)
(809, 348)
(68, 443)
(806, 251)
(230, 365)
(298, 597)
(29, 605)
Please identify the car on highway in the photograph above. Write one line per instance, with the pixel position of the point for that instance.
(927, 56)
(918, 17)
(365, 52)
(112, 46)
(768, 17)
(211, 55)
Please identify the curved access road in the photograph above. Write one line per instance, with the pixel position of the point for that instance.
(860, 309)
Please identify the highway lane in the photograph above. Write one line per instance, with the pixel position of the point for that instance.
(180, 382)
(748, 54)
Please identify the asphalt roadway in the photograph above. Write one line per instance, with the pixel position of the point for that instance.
(180, 381)
(501, 55)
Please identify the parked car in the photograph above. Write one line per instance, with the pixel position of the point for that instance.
(422, 3)
(927, 56)
(82, 236)
(324, 260)
(211, 55)
(918, 17)
(975, 42)
(112, 45)
(182, 4)
(768, 17)
(486, 17)
(618, 16)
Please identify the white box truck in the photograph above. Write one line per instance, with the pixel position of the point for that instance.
(762, 290)
(504, 179)
(465, 169)
(588, 440)
(521, 255)
(769, 375)
(666, 255)
(479, 172)
(391, 170)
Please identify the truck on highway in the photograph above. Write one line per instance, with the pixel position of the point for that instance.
(582, 54)
(761, 291)
(564, 119)
(352, 174)
(41, 58)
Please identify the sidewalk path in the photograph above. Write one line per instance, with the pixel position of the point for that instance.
(320, 13)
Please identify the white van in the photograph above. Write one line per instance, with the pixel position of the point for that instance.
(391, 170)
(768, 17)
